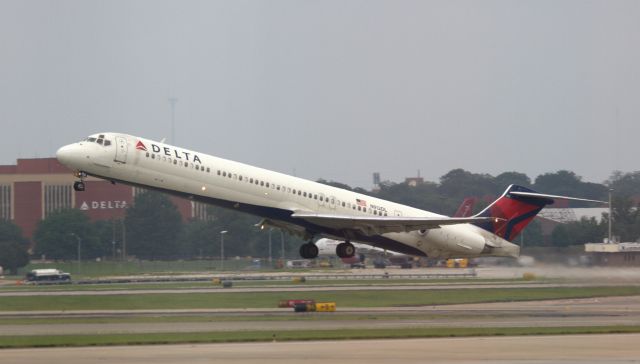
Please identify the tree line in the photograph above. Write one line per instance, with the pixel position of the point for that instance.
(154, 229)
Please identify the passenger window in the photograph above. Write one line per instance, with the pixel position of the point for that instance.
(304, 194)
(186, 164)
(261, 183)
(267, 184)
(147, 154)
(343, 204)
(208, 170)
(240, 178)
(153, 156)
(315, 197)
(175, 161)
(197, 167)
(224, 174)
(250, 180)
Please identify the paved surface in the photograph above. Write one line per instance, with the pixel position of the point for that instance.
(553, 313)
(568, 349)
(302, 288)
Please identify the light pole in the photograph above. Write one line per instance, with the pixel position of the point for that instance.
(610, 213)
(222, 248)
(79, 247)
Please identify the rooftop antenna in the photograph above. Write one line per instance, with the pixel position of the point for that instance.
(173, 101)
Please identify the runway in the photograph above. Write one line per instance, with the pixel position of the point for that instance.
(605, 311)
(568, 349)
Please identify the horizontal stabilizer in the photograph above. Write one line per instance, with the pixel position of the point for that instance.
(555, 197)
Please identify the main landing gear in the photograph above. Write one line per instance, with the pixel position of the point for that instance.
(308, 251)
(79, 185)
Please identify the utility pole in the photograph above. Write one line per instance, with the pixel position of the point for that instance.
(610, 213)
(222, 248)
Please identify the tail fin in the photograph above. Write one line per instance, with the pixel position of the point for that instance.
(514, 210)
(465, 208)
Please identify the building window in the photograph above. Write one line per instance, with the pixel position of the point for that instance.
(57, 197)
(5, 202)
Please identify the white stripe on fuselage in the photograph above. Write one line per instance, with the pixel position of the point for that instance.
(161, 172)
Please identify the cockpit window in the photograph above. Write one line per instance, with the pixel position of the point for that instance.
(100, 140)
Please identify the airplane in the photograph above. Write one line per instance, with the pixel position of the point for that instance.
(302, 207)
(328, 247)
(466, 207)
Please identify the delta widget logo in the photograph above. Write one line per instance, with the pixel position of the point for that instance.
(141, 146)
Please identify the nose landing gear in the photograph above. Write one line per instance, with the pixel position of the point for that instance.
(79, 185)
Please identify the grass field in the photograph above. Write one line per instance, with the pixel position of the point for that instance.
(356, 298)
(244, 336)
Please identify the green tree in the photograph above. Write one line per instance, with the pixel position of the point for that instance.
(153, 227)
(13, 247)
(567, 183)
(56, 237)
(560, 236)
(505, 179)
(531, 235)
(625, 184)
(200, 239)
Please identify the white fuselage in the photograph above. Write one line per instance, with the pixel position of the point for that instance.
(270, 194)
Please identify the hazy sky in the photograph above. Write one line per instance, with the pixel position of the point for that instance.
(333, 89)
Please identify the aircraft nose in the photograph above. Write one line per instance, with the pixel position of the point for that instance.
(65, 155)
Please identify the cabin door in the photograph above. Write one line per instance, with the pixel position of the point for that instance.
(121, 150)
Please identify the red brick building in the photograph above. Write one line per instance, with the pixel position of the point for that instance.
(33, 188)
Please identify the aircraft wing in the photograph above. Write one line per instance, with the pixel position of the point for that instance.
(370, 225)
